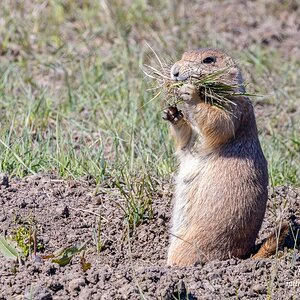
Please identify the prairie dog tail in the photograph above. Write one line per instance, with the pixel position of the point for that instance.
(273, 242)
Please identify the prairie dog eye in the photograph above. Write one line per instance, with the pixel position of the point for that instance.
(209, 60)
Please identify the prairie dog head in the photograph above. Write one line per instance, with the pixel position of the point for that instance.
(197, 63)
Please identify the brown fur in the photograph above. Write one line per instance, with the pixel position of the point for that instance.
(221, 185)
(273, 242)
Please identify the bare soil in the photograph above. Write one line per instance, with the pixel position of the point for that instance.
(130, 266)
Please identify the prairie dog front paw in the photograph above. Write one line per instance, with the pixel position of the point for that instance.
(189, 93)
(172, 114)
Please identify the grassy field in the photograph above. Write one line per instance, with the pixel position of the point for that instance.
(75, 102)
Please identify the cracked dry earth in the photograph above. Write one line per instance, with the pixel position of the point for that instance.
(131, 267)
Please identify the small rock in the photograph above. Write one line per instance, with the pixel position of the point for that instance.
(93, 277)
(4, 180)
(63, 211)
(76, 284)
(23, 204)
(72, 184)
(259, 289)
(232, 262)
(85, 294)
(208, 286)
(98, 200)
(51, 268)
(3, 218)
(66, 212)
(56, 286)
(161, 222)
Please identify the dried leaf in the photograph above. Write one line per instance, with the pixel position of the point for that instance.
(84, 264)
(64, 255)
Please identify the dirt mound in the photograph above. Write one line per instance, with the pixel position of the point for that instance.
(129, 266)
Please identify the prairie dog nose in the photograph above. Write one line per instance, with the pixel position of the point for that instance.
(175, 72)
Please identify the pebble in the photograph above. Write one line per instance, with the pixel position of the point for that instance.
(4, 180)
(76, 284)
(85, 294)
(56, 286)
(259, 289)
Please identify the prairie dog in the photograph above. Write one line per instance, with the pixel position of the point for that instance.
(221, 185)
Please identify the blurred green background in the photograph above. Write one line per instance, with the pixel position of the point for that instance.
(75, 102)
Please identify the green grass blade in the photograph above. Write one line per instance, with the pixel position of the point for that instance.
(8, 250)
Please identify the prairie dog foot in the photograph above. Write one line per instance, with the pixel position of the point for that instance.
(172, 114)
(189, 93)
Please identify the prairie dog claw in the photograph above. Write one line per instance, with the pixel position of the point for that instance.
(172, 114)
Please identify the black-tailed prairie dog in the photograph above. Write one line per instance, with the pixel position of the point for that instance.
(221, 185)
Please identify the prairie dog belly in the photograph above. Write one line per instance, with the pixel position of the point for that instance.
(192, 169)
(206, 199)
